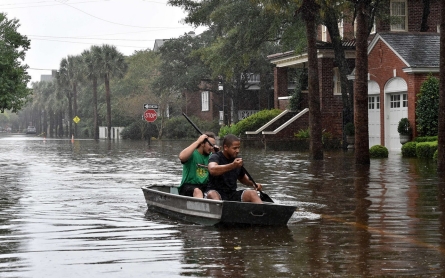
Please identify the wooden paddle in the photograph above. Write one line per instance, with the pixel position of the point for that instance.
(263, 196)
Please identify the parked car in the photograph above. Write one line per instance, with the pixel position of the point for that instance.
(31, 130)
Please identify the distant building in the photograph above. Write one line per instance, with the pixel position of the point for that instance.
(48, 77)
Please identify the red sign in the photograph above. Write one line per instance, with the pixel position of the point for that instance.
(150, 115)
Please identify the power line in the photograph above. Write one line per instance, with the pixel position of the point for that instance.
(87, 43)
(116, 23)
(8, 6)
(77, 38)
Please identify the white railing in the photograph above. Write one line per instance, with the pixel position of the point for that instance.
(304, 111)
(268, 123)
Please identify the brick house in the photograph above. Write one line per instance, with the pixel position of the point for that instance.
(399, 60)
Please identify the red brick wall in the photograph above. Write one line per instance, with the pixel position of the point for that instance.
(415, 10)
(381, 64)
(331, 105)
(280, 86)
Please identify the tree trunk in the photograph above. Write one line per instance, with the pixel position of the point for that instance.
(60, 123)
(309, 10)
(51, 123)
(74, 108)
(441, 128)
(96, 120)
(361, 88)
(70, 114)
(45, 123)
(108, 99)
(426, 12)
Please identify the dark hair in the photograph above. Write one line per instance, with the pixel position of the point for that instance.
(229, 139)
(210, 134)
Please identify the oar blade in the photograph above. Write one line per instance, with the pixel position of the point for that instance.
(265, 198)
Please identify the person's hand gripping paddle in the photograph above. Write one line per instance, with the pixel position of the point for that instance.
(263, 196)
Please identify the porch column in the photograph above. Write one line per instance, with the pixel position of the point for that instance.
(280, 85)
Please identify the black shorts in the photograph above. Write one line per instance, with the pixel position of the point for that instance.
(187, 189)
(229, 196)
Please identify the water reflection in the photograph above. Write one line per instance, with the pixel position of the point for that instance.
(70, 209)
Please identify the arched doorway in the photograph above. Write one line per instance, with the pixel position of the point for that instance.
(396, 107)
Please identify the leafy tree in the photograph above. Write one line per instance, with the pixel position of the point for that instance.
(92, 73)
(13, 75)
(111, 63)
(69, 75)
(427, 108)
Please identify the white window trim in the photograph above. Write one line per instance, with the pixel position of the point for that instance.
(337, 82)
(394, 27)
(205, 101)
(324, 33)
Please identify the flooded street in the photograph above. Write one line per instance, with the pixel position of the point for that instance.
(75, 209)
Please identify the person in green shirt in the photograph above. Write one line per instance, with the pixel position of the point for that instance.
(195, 159)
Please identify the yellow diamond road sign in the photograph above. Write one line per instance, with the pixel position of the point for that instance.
(76, 119)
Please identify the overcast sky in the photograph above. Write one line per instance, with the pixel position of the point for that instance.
(67, 27)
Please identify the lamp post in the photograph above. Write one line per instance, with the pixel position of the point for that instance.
(221, 113)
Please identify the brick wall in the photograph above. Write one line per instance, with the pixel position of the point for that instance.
(280, 86)
(415, 10)
(381, 64)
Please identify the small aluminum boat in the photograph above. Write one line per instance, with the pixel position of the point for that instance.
(166, 199)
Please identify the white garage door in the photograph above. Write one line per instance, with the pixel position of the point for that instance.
(398, 108)
(374, 119)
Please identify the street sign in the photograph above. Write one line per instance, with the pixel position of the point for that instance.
(150, 106)
(76, 119)
(150, 115)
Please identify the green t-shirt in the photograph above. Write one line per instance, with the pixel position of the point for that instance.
(194, 170)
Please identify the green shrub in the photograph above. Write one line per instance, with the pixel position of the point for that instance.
(224, 130)
(426, 149)
(139, 130)
(250, 123)
(404, 127)
(409, 149)
(378, 151)
(303, 133)
(427, 107)
(180, 128)
(426, 139)
(436, 153)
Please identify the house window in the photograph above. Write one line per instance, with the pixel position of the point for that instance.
(337, 82)
(399, 15)
(371, 103)
(372, 30)
(405, 100)
(395, 101)
(341, 28)
(205, 101)
(374, 102)
(324, 33)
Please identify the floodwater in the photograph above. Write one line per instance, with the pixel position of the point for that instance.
(75, 209)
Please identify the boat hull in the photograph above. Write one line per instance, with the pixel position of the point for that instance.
(212, 212)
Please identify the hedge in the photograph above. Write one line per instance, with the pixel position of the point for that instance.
(426, 139)
(426, 149)
(378, 151)
(409, 149)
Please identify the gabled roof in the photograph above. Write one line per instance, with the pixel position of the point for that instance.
(416, 50)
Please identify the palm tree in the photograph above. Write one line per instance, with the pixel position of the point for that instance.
(75, 76)
(91, 71)
(111, 64)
